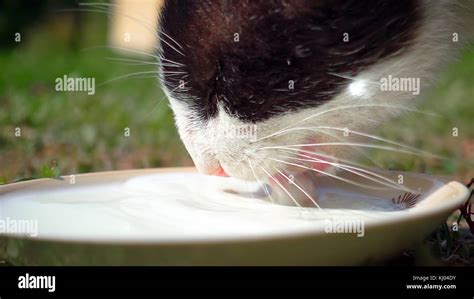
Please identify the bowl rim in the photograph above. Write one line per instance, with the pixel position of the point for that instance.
(458, 192)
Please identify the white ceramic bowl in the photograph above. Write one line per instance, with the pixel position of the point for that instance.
(178, 217)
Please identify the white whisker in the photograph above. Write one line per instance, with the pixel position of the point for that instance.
(265, 188)
(156, 106)
(99, 4)
(322, 155)
(137, 62)
(378, 138)
(171, 61)
(122, 48)
(281, 186)
(355, 170)
(341, 140)
(100, 9)
(381, 147)
(341, 108)
(301, 189)
(127, 76)
(329, 174)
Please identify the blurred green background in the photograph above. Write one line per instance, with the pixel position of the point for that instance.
(71, 132)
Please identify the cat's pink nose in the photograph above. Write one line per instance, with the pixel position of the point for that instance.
(220, 172)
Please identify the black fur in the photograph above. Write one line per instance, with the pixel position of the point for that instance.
(280, 40)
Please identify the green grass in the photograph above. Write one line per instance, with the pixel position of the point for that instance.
(74, 131)
(452, 100)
